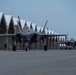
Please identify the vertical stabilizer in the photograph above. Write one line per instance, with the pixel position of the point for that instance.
(44, 27)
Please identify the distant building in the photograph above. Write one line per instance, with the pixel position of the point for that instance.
(11, 25)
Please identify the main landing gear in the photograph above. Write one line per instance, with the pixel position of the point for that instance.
(26, 48)
(45, 47)
(14, 47)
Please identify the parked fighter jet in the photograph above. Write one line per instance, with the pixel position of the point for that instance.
(29, 36)
(71, 43)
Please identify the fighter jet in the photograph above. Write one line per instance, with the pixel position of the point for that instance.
(71, 43)
(29, 36)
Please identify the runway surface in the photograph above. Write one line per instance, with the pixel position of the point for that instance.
(37, 62)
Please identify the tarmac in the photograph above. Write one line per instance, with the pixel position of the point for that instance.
(38, 62)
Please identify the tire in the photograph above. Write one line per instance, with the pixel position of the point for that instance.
(26, 48)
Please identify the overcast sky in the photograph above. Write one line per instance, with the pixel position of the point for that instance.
(61, 14)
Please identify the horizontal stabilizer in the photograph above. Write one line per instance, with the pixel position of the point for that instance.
(7, 35)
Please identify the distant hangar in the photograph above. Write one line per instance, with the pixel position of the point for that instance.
(9, 25)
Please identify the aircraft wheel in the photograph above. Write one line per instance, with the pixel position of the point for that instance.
(45, 47)
(14, 47)
(26, 48)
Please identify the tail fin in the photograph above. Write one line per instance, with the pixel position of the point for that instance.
(44, 27)
(19, 24)
(25, 28)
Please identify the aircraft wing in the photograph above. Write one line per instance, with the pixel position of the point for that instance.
(7, 35)
(52, 35)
